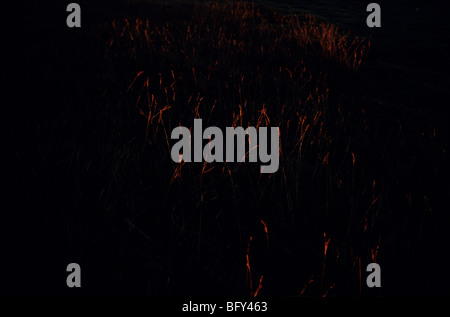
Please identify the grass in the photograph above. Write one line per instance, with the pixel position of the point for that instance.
(357, 183)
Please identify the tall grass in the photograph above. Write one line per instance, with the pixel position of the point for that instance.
(335, 202)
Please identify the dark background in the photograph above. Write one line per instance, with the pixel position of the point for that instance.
(50, 220)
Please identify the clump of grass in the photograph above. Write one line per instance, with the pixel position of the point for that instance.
(328, 40)
(190, 224)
